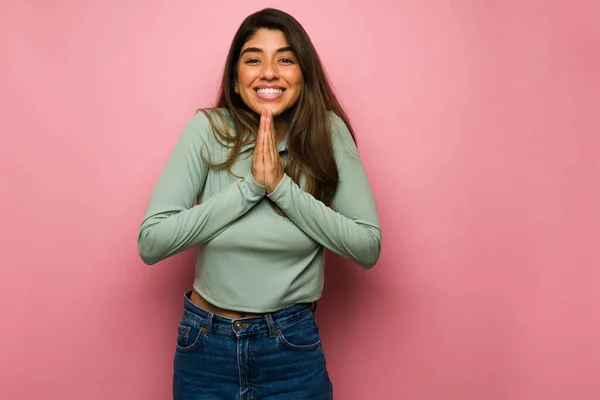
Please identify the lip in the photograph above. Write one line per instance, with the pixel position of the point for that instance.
(268, 97)
(268, 87)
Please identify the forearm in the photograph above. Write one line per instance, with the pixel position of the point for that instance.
(167, 230)
(358, 239)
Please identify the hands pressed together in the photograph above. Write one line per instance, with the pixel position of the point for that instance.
(267, 164)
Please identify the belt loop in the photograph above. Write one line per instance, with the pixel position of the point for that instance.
(314, 307)
(271, 325)
(208, 327)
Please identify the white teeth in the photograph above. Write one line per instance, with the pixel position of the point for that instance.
(270, 91)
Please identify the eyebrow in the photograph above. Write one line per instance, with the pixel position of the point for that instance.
(259, 50)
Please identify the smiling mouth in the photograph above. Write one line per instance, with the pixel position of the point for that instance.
(269, 93)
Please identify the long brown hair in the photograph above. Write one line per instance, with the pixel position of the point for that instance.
(310, 151)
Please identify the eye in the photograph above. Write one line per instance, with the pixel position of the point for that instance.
(252, 61)
(286, 60)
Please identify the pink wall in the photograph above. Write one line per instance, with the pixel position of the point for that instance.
(476, 125)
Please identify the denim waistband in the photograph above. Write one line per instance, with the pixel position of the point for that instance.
(270, 322)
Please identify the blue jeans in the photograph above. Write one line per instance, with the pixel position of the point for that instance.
(278, 356)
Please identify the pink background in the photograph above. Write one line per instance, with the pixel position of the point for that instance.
(478, 126)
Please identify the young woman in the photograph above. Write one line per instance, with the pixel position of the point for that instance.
(260, 185)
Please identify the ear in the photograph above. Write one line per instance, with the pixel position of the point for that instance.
(236, 88)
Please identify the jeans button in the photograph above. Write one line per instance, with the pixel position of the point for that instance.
(237, 326)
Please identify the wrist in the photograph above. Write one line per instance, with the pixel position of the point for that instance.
(275, 189)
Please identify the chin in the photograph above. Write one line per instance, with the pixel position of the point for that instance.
(275, 109)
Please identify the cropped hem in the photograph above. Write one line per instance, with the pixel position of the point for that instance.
(245, 308)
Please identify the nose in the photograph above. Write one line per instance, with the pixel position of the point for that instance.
(269, 71)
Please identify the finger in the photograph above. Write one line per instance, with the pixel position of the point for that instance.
(263, 125)
(269, 137)
(272, 145)
(261, 134)
(273, 138)
(265, 139)
(265, 131)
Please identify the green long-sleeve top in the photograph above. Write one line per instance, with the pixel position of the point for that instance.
(248, 257)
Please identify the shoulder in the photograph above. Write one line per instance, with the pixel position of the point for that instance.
(335, 122)
(343, 143)
(206, 120)
(339, 129)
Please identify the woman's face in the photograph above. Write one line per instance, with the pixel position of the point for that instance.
(269, 75)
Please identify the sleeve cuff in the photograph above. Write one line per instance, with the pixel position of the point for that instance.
(279, 191)
(255, 188)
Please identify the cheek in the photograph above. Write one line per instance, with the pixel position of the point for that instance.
(298, 83)
(244, 78)
(296, 79)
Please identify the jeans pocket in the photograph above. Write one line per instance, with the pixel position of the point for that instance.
(302, 334)
(188, 334)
